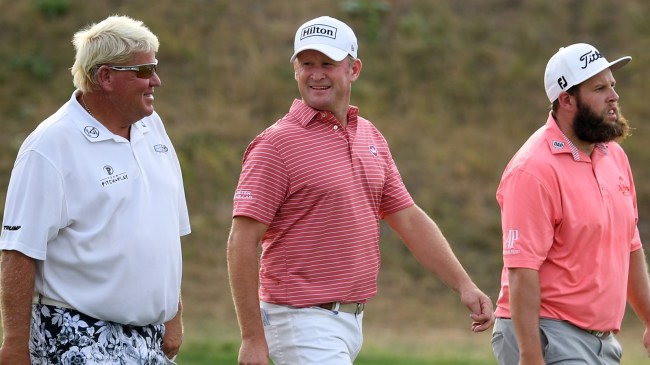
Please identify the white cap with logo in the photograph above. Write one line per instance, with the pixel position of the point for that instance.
(573, 65)
(327, 35)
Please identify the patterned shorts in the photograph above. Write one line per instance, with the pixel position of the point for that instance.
(61, 336)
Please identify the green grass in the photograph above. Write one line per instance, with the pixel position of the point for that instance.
(200, 353)
(416, 346)
(206, 353)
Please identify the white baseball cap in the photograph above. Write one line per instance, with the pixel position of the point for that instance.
(327, 35)
(573, 65)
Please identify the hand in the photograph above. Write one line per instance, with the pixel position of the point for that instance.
(253, 352)
(173, 337)
(480, 305)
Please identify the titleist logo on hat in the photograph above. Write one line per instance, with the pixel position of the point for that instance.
(590, 57)
(318, 30)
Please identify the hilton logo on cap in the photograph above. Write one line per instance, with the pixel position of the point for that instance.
(318, 30)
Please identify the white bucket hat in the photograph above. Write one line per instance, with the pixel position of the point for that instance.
(327, 35)
(573, 65)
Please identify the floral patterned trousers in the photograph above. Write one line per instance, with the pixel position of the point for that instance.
(62, 336)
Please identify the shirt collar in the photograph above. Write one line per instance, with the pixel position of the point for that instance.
(305, 114)
(560, 143)
(93, 130)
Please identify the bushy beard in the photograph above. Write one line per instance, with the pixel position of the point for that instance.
(593, 128)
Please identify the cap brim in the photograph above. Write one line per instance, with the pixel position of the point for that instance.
(334, 53)
(619, 63)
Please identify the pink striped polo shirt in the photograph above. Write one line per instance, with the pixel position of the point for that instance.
(322, 190)
(573, 218)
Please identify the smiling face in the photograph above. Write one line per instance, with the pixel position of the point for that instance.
(598, 117)
(133, 96)
(325, 84)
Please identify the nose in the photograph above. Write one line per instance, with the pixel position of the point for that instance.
(614, 95)
(154, 80)
(317, 74)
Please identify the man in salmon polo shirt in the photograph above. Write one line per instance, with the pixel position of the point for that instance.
(312, 191)
(571, 248)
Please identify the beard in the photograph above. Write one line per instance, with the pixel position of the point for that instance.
(593, 128)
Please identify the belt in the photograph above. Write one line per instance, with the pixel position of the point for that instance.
(600, 334)
(40, 299)
(354, 308)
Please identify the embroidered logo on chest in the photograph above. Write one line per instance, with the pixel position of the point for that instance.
(623, 187)
(112, 176)
(373, 150)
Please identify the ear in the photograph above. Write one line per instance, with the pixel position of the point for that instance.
(567, 101)
(104, 77)
(356, 69)
(296, 65)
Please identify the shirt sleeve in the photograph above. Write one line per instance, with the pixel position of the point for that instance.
(35, 206)
(528, 215)
(263, 183)
(395, 196)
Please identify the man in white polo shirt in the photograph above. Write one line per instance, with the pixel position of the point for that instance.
(313, 189)
(95, 209)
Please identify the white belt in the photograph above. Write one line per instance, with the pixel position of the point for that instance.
(40, 299)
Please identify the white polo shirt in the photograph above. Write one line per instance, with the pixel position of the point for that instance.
(102, 215)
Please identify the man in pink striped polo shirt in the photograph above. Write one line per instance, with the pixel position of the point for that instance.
(312, 191)
(571, 248)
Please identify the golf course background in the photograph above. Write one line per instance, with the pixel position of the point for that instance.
(455, 86)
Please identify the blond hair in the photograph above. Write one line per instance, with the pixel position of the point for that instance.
(111, 41)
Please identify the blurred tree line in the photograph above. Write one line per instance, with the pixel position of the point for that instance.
(455, 86)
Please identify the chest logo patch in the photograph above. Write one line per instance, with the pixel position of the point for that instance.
(373, 150)
(161, 148)
(558, 145)
(112, 176)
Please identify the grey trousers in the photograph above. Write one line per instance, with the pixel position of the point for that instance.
(561, 343)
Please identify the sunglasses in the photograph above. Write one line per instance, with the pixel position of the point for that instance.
(144, 71)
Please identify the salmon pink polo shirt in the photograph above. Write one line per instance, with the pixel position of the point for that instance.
(572, 217)
(322, 190)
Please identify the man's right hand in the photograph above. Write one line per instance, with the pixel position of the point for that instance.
(253, 353)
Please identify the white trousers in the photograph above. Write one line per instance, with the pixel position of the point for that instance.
(311, 336)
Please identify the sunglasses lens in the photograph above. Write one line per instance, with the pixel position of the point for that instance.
(145, 71)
